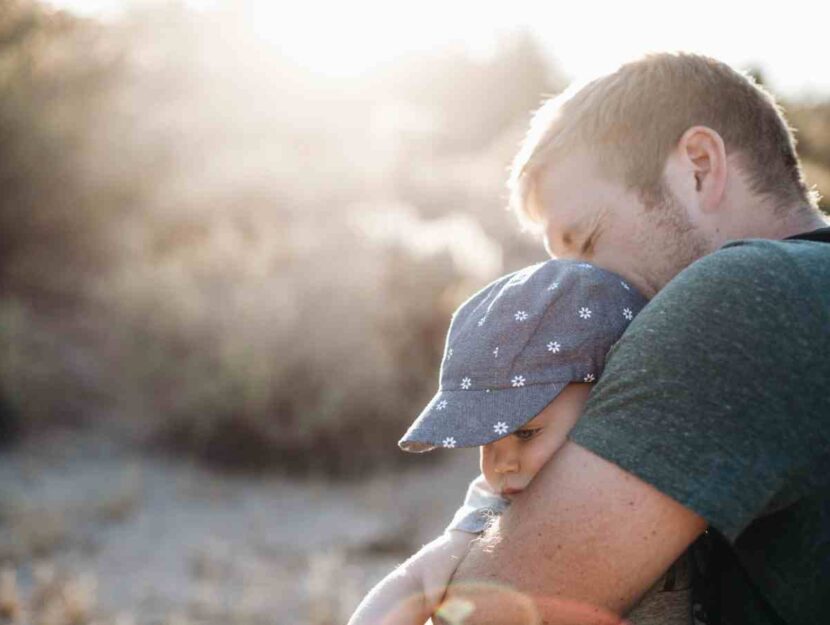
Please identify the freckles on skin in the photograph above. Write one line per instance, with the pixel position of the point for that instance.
(492, 602)
(575, 553)
(510, 550)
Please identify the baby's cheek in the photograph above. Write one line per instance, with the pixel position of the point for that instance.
(541, 454)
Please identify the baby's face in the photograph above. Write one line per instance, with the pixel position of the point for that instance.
(510, 463)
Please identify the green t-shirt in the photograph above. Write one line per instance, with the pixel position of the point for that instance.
(717, 396)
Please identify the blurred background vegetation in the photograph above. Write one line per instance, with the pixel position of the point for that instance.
(230, 256)
(216, 252)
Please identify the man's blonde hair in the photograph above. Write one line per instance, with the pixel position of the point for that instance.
(632, 118)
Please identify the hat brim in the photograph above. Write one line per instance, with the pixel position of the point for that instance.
(461, 418)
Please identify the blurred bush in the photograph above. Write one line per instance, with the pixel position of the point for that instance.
(303, 349)
(261, 262)
(55, 71)
(812, 123)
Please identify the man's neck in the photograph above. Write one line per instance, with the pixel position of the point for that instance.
(797, 221)
(801, 224)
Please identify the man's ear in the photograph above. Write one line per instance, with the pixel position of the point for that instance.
(701, 168)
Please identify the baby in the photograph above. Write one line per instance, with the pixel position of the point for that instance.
(519, 360)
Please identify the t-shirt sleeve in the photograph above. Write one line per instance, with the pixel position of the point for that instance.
(704, 395)
(481, 505)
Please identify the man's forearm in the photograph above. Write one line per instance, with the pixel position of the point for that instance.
(579, 546)
(490, 587)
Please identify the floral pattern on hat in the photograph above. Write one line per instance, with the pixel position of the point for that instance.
(516, 343)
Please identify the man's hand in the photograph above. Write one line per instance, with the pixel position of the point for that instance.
(581, 545)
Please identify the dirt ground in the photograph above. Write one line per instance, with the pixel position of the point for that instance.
(144, 539)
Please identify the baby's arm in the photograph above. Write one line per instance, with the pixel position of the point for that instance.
(411, 593)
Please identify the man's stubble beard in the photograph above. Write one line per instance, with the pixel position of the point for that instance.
(672, 241)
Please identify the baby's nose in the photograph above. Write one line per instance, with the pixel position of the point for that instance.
(507, 461)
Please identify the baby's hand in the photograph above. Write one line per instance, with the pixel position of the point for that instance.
(437, 562)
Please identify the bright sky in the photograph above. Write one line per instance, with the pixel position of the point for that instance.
(585, 37)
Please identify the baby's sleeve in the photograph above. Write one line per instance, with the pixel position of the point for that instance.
(481, 505)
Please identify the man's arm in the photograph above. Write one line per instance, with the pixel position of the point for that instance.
(701, 413)
(581, 545)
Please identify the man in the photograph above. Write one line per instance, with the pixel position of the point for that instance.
(712, 411)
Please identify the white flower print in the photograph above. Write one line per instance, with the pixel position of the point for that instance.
(520, 315)
(481, 321)
(488, 514)
(628, 314)
(625, 286)
(554, 347)
(448, 442)
(449, 353)
(465, 383)
(500, 428)
(589, 378)
(553, 286)
(518, 380)
(585, 313)
(441, 404)
(496, 352)
(585, 265)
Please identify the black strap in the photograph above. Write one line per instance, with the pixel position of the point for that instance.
(822, 235)
(705, 587)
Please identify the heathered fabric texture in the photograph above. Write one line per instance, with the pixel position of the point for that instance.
(515, 344)
(717, 396)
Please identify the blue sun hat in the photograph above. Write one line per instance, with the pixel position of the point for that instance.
(515, 344)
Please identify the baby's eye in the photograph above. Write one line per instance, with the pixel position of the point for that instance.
(526, 434)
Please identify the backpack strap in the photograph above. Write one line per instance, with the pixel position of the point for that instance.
(705, 594)
(822, 235)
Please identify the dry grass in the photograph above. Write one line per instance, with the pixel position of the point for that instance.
(58, 598)
(31, 531)
(37, 530)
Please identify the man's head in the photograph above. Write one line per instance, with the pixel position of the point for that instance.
(646, 169)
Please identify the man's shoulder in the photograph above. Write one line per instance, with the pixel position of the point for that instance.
(754, 272)
(744, 256)
(714, 394)
(750, 303)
